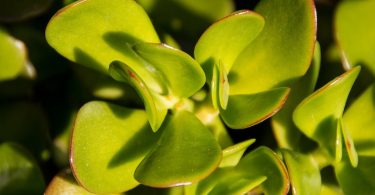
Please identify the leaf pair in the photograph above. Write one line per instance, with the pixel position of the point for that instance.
(249, 59)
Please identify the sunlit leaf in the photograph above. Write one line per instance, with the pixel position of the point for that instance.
(186, 153)
(19, 173)
(94, 33)
(303, 173)
(286, 133)
(355, 33)
(249, 109)
(232, 154)
(349, 144)
(317, 115)
(155, 108)
(182, 74)
(282, 52)
(107, 145)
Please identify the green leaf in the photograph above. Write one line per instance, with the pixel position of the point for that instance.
(186, 153)
(286, 133)
(94, 33)
(263, 161)
(64, 183)
(155, 108)
(349, 144)
(250, 109)
(360, 125)
(354, 29)
(108, 143)
(12, 55)
(219, 87)
(282, 52)
(303, 173)
(232, 154)
(317, 115)
(224, 40)
(359, 180)
(182, 74)
(19, 172)
(13, 11)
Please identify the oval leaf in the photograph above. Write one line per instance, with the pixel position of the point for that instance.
(94, 33)
(246, 110)
(182, 74)
(354, 31)
(225, 39)
(233, 154)
(186, 153)
(156, 110)
(283, 50)
(108, 143)
(19, 172)
(304, 173)
(317, 115)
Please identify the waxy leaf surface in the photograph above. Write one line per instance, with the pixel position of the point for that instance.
(303, 173)
(19, 172)
(182, 74)
(233, 154)
(318, 114)
(186, 153)
(94, 33)
(156, 110)
(286, 133)
(249, 109)
(355, 33)
(282, 52)
(107, 145)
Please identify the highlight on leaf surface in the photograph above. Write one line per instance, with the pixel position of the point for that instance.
(186, 153)
(108, 143)
(317, 115)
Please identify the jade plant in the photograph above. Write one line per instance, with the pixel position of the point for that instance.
(187, 97)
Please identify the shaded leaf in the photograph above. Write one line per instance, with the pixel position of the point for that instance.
(186, 153)
(107, 145)
(12, 11)
(19, 172)
(249, 109)
(303, 173)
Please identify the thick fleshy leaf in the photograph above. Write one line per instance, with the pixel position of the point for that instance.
(359, 119)
(156, 110)
(282, 52)
(224, 40)
(246, 110)
(354, 29)
(233, 154)
(19, 173)
(359, 180)
(26, 124)
(94, 33)
(349, 144)
(11, 11)
(64, 183)
(263, 161)
(260, 168)
(317, 115)
(303, 173)
(186, 153)
(286, 133)
(219, 86)
(108, 143)
(12, 55)
(182, 74)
